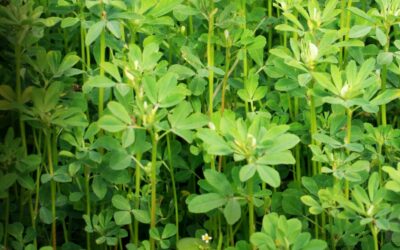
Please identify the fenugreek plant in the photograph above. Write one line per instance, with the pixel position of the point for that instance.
(199, 124)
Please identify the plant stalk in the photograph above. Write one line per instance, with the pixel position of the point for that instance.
(53, 190)
(173, 187)
(153, 180)
(210, 58)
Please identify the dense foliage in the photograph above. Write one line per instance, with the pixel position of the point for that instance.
(199, 124)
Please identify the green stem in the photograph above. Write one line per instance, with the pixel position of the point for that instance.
(153, 181)
(53, 190)
(270, 29)
(380, 164)
(102, 72)
(245, 62)
(384, 80)
(137, 198)
(342, 26)
(171, 165)
(88, 208)
(210, 57)
(374, 232)
(6, 220)
(347, 141)
(348, 19)
(83, 38)
(313, 126)
(18, 89)
(250, 191)
(225, 80)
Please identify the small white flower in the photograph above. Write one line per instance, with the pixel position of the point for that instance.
(226, 34)
(344, 90)
(206, 238)
(129, 75)
(136, 64)
(370, 210)
(211, 126)
(313, 51)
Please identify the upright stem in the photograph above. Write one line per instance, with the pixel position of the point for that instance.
(384, 79)
(374, 232)
(227, 65)
(6, 220)
(153, 180)
(88, 210)
(137, 198)
(313, 126)
(210, 57)
(245, 62)
(250, 191)
(270, 29)
(347, 141)
(102, 61)
(83, 37)
(53, 190)
(348, 19)
(171, 165)
(18, 89)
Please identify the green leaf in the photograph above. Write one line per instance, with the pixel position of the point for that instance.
(269, 175)
(286, 84)
(316, 245)
(169, 231)
(214, 143)
(282, 143)
(218, 181)
(26, 181)
(380, 35)
(150, 88)
(114, 27)
(94, 32)
(232, 211)
(182, 121)
(325, 139)
(45, 215)
(163, 7)
(111, 124)
(119, 111)
(119, 159)
(247, 171)
(362, 14)
(69, 21)
(262, 241)
(142, 216)
(67, 63)
(181, 71)
(122, 218)
(121, 202)
(324, 80)
(190, 244)
(7, 93)
(284, 157)
(97, 82)
(373, 185)
(7, 181)
(387, 96)
(359, 31)
(128, 137)
(385, 58)
(112, 69)
(206, 202)
(99, 187)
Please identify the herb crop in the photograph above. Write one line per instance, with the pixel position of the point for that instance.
(199, 124)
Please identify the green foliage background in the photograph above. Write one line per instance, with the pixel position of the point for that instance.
(199, 124)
